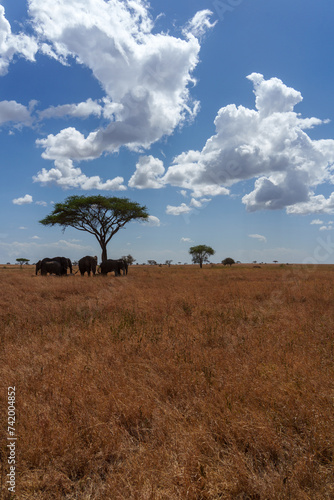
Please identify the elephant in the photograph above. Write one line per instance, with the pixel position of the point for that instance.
(69, 265)
(110, 265)
(123, 265)
(63, 261)
(38, 266)
(51, 267)
(88, 264)
(41, 263)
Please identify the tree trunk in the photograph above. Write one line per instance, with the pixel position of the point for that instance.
(104, 251)
(200, 263)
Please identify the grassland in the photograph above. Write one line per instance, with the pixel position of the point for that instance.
(170, 383)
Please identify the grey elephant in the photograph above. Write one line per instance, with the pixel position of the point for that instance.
(38, 266)
(124, 266)
(64, 262)
(110, 265)
(69, 265)
(41, 263)
(51, 267)
(88, 265)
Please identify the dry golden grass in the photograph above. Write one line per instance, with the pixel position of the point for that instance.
(170, 383)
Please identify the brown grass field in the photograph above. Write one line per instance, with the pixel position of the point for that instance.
(170, 383)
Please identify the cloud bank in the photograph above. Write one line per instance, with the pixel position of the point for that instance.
(269, 144)
(145, 75)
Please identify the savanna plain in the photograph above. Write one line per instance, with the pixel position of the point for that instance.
(170, 383)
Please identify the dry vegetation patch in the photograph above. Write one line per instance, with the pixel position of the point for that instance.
(170, 383)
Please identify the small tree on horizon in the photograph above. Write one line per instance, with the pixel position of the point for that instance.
(200, 254)
(99, 215)
(128, 259)
(228, 261)
(22, 261)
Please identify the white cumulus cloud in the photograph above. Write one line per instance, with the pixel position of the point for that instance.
(14, 112)
(12, 44)
(269, 144)
(145, 75)
(24, 200)
(152, 221)
(316, 204)
(182, 209)
(149, 171)
(66, 175)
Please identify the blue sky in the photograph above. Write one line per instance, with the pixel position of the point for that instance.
(216, 115)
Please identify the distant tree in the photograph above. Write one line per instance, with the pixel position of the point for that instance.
(275, 261)
(152, 262)
(99, 215)
(200, 254)
(129, 259)
(22, 261)
(168, 262)
(228, 261)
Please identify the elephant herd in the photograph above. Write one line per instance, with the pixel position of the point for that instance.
(88, 264)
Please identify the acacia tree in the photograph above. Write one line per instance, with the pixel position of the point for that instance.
(22, 261)
(228, 261)
(128, 259)
(98, 215)
(200, 254)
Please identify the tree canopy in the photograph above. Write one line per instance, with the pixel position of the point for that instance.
(98, 215)
(200, 254)
(228, 261)
(128, 259)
